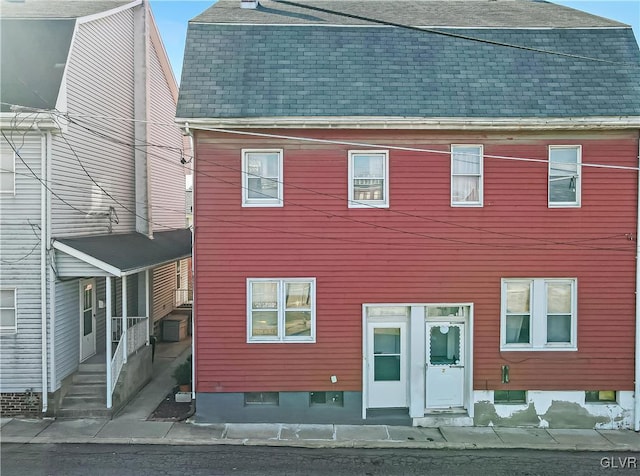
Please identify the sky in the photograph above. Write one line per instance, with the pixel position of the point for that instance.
(172, 17)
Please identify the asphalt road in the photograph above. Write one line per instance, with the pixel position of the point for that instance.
(159, 460)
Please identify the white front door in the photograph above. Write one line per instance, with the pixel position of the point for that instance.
(387, 365)
(445, 365)
(87, 319)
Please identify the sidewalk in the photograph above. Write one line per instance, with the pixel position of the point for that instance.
(131, 427)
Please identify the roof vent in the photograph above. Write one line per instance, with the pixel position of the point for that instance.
(249, 4)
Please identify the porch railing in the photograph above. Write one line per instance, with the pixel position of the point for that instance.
(183, 296)
(137, 337)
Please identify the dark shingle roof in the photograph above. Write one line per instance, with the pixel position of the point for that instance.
(251, 71)
(56, 8)
(33, 55)
(451, 13)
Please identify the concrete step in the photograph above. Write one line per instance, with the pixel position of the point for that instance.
(101, 367)
(84, 400)
(78, 413)
(445, 418)
(88, 390)
(84, 378)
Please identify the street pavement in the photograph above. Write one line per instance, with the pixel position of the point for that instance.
(131, 426)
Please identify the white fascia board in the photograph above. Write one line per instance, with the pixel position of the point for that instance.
(106, 13)
(28, 120)
(88, 259)
(421, 123)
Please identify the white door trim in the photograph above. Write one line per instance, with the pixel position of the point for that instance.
(87, 343)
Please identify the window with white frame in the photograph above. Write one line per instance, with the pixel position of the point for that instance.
(564, 175)
(538, 314)
(368, 179)
(7, 172)
(466, 175)
(262, 178)
(281, 310)
(8, 311)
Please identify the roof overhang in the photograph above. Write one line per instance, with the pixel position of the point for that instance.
(423, 123)
(126, 254)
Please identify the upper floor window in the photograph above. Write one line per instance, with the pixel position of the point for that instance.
(466, 175)
(8, 311)
(538, 314)
(281, 310)
(262, 178)
(564, 175)
(7, 172)
(368, 179)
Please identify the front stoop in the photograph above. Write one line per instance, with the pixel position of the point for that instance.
(437, 419)
(87, 397)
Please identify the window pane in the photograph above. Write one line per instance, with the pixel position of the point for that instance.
(262, 188)
(6, 181)
(559, 328)
(517, 330)
(7, 298)
(386, 341)
(264, 323)
(88, 322)
(466, 160)
(298, 295)
(444, 345)
(263, 164)
(465, 189)
(264, 295)
(558, 297)
(441, 311)
(386, 368)
(562, 189)
(368, 189)
(518, 297)
(297, 323)
(564, 160)
(387, 311)
(368, 166)
(7, 318)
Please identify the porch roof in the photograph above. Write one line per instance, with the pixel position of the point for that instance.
(125, 254)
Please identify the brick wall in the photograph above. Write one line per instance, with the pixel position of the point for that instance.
(12, 404)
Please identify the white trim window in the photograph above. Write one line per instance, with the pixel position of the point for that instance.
(565, 175)
(8, 311)
(539, 314)
(281, 310)
(466, 175)
(262, 178)
(7, 172)
(368, 179)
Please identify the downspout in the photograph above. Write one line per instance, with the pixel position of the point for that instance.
(43, 270)
(51, 257)
(636, 394)
(193, 260)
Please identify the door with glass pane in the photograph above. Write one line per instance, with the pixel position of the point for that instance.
(87, 319)
(445, 365)
(387, 362)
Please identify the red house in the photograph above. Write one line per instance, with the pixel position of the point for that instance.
(418, 212)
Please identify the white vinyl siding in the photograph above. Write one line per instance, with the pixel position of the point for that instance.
(164, 290)
(565, 175)
(99, 82)
(466, 176)
(7, 170)
(262, 178)
(67, 329)
(368, 179)
(281, 310)
(539, 314)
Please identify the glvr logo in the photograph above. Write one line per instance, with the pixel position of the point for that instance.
(618, 462)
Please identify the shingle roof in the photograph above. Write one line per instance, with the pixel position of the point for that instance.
(56, 8)
(251, 71)
(33, 55)
(452, 13)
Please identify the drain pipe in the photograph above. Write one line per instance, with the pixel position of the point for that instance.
(636, 394)
(45, 151)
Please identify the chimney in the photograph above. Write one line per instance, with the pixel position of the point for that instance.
(253, 4)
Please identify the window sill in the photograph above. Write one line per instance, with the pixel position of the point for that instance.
(538, 349)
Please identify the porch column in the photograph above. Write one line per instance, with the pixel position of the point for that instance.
(109, 343)
(417, 361)
(147, 300)
(124, 319)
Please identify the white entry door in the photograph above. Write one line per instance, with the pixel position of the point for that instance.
(387, 362)
(445, 365)
(87, 319)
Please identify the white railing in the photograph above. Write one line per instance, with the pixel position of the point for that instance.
(183, 296)
(137, 337)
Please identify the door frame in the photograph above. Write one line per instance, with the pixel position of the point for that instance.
(83, 283)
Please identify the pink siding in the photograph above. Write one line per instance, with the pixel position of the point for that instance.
(419, 250)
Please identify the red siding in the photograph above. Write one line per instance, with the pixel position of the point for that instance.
(420, 250)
